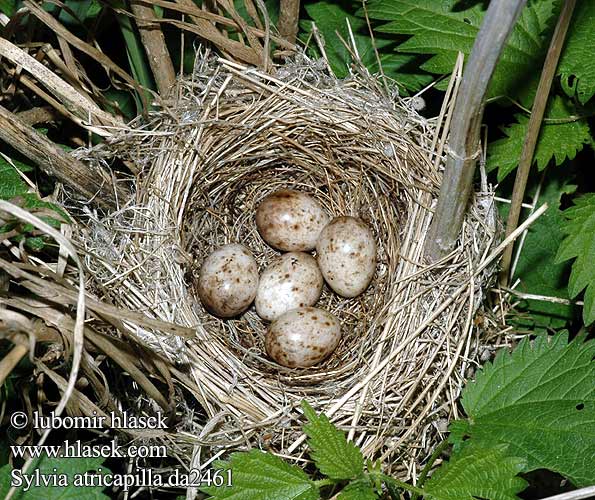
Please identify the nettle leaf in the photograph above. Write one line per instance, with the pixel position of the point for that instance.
(477, 472)
(334, 456)
(331, 18)
(71, 472)
(439, 29)
(540, 401)
(559, 140)
(358, 490)
(580, 244)
(261, 475)
(577, 65)
(537, 269)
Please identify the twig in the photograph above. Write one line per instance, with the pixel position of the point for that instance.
(543, 91)
(464, 135)
(154, 42)
(75, 105)
(92, 184)
(84, 47)
(9, 361)
(289, 13)
(209, 32)
(588, 492)
(543, 298)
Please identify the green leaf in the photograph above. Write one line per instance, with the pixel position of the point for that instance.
(358, 490)
(559, 141)
(11, 183)
(580, 244)
(8, 7)
(137, 59)
(334, 456)
(540, 401)
(261, 475)
(440, 30)
(536, 268)
(577, 66)
(475, 473)
(67, 473)
(331, 18)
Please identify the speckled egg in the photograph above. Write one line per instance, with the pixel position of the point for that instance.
(228, 280)
(290, 221)
(346, 253)
(303, 337)
(291, 280)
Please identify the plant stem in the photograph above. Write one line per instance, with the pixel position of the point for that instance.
(466, 120)
(426, 470)
(324, 482)
(543, 90)
(154, 42)
(399, 484)
(289, 13)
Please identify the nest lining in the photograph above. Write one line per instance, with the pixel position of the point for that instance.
(233, 136)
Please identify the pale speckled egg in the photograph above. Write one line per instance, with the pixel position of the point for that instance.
(302, 337)
(291, 280)
(228, 280)
(346, 253)
(290, 221)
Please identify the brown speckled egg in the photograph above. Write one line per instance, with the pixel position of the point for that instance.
(228, 280)
(291, 280)
(303, 337)
(346, 253)
(290, 221)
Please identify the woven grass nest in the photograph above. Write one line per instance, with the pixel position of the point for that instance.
(234, 135)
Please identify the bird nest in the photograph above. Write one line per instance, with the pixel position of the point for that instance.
(234, 135)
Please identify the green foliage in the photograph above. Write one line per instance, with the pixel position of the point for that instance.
(79, 11)
(332, 18)
(540, 401)
(537, 270)
(264, 476)
(69, 470)
(577, 65)
(358, 490)
(11, 182)
(559, 140)
(440, 30)
(334, 456)
(477, 472)
(8, 7)
(580, 244)
(14, 188)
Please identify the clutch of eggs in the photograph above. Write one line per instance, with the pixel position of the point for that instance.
(291, 221)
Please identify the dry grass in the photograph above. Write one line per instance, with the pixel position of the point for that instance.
(232, 136)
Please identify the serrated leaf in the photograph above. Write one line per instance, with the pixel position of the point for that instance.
(557, 140)
(477, 472)
(540, 401)
(438, 29)
(334, 456)
(358, 490)
(577, 65)
(69, 471)
(537, 271)
(580, 244)
(331, 18)
(256, 474)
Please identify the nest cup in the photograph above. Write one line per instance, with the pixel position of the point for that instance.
(233, 136)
